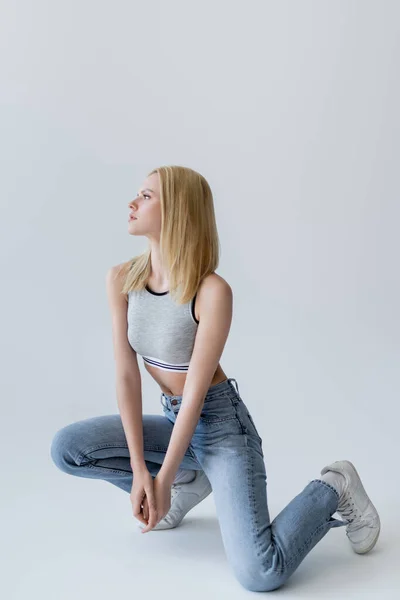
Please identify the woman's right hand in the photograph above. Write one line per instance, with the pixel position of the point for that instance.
(142, 486)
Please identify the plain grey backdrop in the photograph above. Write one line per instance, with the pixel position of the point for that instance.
(290, 109)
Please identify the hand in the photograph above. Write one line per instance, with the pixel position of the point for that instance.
(142, 487)
(162, 499)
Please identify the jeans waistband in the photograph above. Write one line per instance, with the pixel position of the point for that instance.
(212, 391)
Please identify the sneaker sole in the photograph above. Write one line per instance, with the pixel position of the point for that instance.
(371, 545)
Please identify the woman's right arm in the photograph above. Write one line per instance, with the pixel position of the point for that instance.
(128, 378)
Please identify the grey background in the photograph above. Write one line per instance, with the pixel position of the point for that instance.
(290, 110)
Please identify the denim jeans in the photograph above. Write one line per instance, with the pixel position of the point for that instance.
(228, 448)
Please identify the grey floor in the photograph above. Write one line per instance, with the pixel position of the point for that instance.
(67, 537)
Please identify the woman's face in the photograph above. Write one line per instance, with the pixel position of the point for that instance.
(147, 209)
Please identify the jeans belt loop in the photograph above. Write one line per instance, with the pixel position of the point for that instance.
(162, 400)
(236, 383)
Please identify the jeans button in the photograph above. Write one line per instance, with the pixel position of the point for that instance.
(174, 401)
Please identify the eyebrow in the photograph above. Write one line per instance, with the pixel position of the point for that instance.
(147, 189)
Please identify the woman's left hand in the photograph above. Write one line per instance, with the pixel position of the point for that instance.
(162, 497)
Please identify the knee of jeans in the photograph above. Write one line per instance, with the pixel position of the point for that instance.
(61, 450)
(266, 581)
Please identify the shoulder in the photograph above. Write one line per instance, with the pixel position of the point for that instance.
(213, 291)
(116, 273)
(115, 277)
(214, 284)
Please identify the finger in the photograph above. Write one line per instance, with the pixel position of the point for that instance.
(151, 509)
(139, 517)
(152, 517)
(138, 511)
(149, 526)
(145, 509)
(150, 501)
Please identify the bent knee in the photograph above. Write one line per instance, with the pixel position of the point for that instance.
(262, 582)
(62, 449)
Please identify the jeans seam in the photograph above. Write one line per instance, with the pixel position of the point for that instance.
(304, 547)
(235, 403)
(308, 541)
(245, 430)
(233, 397)
(96, 467)
(84, 454)
(257, 435)
(211, 421)
(208, 421)
(90, 449)
(250, 476)
(328, 485)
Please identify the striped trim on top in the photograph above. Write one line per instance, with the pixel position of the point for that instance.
(155, 362)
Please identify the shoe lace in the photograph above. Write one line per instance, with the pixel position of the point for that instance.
(349, 511)
(175, 488)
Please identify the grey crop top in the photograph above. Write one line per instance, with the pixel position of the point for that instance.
(160, 331)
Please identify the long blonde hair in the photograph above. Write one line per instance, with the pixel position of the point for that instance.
(189, 242)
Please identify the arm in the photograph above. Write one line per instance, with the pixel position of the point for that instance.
(211, 336)
(128, 379)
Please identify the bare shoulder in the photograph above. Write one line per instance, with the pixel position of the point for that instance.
(115, 277)
(216, 284)
(214, 292)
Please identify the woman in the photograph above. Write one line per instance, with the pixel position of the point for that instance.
(169, 306)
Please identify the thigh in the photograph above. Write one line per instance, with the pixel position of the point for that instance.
(233, 462)
(102, 440)
(229, 449)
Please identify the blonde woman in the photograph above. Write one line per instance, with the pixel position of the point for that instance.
(169, 306)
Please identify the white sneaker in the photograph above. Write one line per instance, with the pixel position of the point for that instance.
(184, 497)
(356, 508)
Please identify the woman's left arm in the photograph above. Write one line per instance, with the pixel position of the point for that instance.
(214, 324)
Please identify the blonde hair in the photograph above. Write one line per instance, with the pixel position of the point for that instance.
(189, 242)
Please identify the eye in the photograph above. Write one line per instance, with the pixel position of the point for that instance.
(146, 196)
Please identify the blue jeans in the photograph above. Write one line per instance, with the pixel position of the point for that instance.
(228, 448)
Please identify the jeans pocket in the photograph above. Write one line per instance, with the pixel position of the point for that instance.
(253, 424)
(217, 410)
(246, 420)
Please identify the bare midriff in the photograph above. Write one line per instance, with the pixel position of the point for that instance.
(172, 383)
